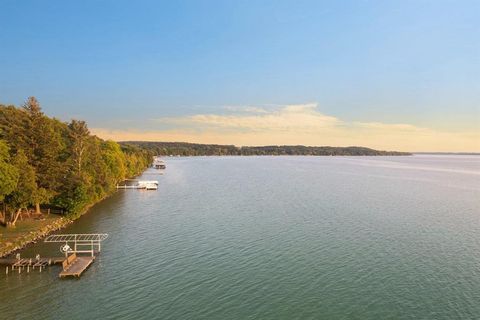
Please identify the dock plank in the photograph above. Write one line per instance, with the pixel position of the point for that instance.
(77, 267)
(12, 261)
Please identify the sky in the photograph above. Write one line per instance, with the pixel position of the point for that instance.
(392, 75)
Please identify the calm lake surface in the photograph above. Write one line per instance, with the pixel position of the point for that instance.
(275, 238)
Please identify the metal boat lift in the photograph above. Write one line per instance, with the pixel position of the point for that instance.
(73, 265)
(82, 243)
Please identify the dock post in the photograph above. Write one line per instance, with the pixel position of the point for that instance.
(6, 270)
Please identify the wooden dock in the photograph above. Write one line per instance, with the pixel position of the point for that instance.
(28, 264)
(31, 261)
(75, 266)
(140, 184)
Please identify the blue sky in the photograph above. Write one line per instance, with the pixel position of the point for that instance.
(156, 67)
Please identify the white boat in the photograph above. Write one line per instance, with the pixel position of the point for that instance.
(151, 187)
(158, 163)
(148, 184)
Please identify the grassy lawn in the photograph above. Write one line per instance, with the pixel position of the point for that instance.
(26, 231)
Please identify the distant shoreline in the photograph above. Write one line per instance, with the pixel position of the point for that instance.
(449, 153)
(197, 149)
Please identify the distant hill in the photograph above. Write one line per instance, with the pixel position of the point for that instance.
(195, 149)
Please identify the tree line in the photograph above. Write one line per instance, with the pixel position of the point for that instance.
(194, 149)
(46, 162)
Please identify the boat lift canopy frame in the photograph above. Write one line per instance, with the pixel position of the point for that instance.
(80, 241)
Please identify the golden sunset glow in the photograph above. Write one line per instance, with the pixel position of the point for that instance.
(294, 125)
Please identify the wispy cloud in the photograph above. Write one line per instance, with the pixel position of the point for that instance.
(245, 109)
(297, 124)
(290, 118)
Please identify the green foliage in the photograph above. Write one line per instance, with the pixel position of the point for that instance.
(58, 164)
(115, 162)
(8, 172)
(74, 197)
(26, 192)
(79, 138)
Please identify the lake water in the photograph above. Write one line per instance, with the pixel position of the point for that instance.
(275, 238)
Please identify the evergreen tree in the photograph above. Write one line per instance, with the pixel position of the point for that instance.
(45, 147)
(32, 106)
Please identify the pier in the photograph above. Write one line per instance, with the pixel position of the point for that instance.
(140, 184)
(74, 266)
(19, 264)
(79, 253)
(130, 187)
